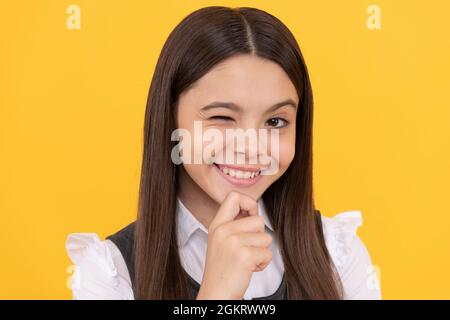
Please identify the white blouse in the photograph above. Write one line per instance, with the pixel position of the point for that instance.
(101, 272)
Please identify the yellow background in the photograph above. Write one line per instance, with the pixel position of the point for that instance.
(71, 114)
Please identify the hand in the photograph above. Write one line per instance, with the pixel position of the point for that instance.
(237, 246)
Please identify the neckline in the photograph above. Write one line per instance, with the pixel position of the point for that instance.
(187, 223)
(272, 296)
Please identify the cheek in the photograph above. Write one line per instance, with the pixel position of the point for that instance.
(286, 154)
(196, 171)
(287, 151)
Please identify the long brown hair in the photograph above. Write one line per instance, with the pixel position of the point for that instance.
(200, 41)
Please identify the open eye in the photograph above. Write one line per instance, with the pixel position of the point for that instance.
(277, 122)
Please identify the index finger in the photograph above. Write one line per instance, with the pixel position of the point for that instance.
(234, 203)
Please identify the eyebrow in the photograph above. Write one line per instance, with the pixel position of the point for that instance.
(235, 107)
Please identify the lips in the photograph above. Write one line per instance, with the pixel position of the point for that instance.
(239, 176)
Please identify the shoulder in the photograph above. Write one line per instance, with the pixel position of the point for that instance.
(350, 255)
(100, 270)
(339, 233)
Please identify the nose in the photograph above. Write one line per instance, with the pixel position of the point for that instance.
(251, 145)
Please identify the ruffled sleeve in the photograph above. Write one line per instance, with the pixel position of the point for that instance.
(350, 256)
(100, 270)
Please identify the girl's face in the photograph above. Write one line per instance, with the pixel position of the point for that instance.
(253, 88)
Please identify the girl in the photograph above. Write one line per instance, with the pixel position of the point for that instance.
(218, 230)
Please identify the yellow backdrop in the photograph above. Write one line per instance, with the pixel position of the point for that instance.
(74, 82)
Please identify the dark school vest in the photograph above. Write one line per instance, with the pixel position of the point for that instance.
(124, 240)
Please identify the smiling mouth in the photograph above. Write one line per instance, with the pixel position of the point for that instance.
(239, 173)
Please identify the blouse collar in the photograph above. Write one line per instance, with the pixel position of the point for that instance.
(187, 224)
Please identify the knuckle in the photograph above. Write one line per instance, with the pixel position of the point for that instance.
(260, 221)
(244, 255)
(233, 195)
(269, 255)
(268, 238)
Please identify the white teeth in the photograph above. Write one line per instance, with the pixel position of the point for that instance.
(240, 174)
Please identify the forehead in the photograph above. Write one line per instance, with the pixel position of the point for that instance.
(247, 80)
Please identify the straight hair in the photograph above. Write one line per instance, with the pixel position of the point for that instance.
(201, 40)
